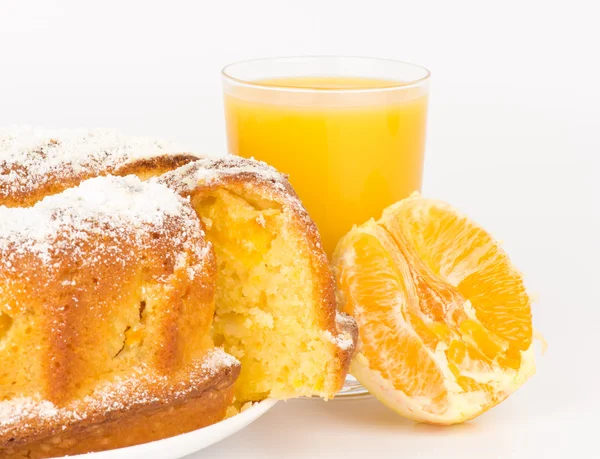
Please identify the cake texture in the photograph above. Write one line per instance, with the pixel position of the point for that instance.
(36, 162)
(106, 305)
(275, 298)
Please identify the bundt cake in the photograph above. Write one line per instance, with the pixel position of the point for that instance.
(275, 300)
(106, 306)
(35, 162)
(114, 285)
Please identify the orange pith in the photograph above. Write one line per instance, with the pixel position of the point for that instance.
(444, 318)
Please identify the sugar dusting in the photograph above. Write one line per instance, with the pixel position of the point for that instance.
(57, 228)
(216, 171)
(143, 387)
(31, 158)
(102, 206)
(345, 340)
(213, 170)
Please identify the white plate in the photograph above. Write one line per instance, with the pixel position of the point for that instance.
(182, 445)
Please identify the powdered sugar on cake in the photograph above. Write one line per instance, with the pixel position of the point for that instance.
(141, 388)
(215, 171)
(212, 170)
(104, 220)
(348, 331)
(100, 206)
(251, 174)
(31, 157)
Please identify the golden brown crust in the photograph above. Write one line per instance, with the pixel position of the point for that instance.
(169, 412)
(151, 167)
(109, 299)
(74, 277)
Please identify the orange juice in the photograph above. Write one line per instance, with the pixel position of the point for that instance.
(351, 146)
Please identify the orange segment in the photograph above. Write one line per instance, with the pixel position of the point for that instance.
(444, 318)
(389, 342)
(468, 258)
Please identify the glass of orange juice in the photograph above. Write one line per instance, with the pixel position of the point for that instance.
(349, 131)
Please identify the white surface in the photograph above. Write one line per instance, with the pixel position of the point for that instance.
(183, 445)
(514, 141)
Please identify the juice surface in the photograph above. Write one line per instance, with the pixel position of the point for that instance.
(348, 157)
(316, 82)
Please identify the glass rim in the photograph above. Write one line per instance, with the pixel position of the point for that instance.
(272, 87)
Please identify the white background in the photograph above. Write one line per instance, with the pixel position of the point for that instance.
(514, 141)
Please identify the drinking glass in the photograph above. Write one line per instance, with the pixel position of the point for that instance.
(349, 132)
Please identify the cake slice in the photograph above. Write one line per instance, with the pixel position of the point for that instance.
(275, 300)
(106, 307)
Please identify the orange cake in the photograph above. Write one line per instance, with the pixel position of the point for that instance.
(38, 162)
(106, 305)
(273, 290)
(275, 298)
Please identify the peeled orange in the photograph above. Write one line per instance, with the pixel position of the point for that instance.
(444, 317)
